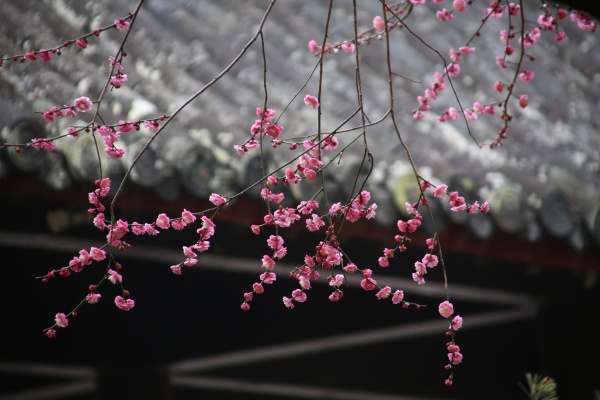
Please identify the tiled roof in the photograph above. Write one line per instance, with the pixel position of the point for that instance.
(546, 178)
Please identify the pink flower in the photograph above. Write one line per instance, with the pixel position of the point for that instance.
(245, 306)
(418, 278)
(501, 62)
(523, 100)
(258, 288)
(51, 333)
(124, 304)
(118, 80)
(189, 252)
(430, 260)
(307, 207)
(288, 302)
(485, 208)
(217, 199)
(455, 357)
(313, 47)
(456, 323)
(336, 296)
(499, 87)
(83, 43)
(275, 242)
(350, 268)
(299, 296)
(176, 269)
(444, 15)
(378, 23)
(397, 296)
(336, 281)
(420, 268)
(315, 223)
(163, 221)
(97, 254)
(459, 5)
(466, 50)
(93, 298)
(348, 47)
(311, 101)
(61, 320)
(280, 252)
(114, 277)
(268, 277)
(268, 263)
(83, 104)
(99, 221)
(440, 190)
(526, 76)
(384, 293)
(187, 216)
(446, 309)
(178, 224)
(45, 55)
(115, 152)
(431, 243)
(122, 25)
(368, 284)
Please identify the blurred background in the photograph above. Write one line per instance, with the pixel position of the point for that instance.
(523, 277)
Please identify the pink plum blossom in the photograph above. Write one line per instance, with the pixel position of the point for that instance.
(446, 309)
(118, 80)
(384, 293)
(83, 104)
(61, 320)
(348, 47)
(124, 304)
(163, 221)
(311, 101)
(114, 277)
(378, 23)
(523, 100)
(440, 190)
(288, 302)
(93, 298)
(217, 199)
(456, 322)
(397, 296)
(122, 25)
(299, 296)
(350, 268)
(459, 5)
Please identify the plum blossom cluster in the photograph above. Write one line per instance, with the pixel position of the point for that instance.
(81, 104)
(328, 255)
(77, 263)
(455, 357)
(261, 127)
(121, 24)
(115, 238)
(119, 78)
(86, 258)
(365, 37)
(205, 232)
(547, 21)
